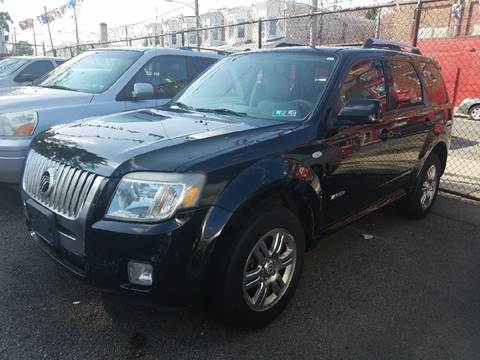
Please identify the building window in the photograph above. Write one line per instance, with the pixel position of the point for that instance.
(231, 30)
(174, 39)
(192, 37)
(215, 34)
(241, 29)
(272, 27)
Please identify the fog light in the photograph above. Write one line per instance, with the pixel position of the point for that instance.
(140, 273)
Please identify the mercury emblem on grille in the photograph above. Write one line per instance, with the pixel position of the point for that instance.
(47, 182)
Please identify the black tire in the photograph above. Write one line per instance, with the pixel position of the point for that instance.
(474, 113)
(230, 300)
(411, 205)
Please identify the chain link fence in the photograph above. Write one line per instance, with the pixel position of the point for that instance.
(449, 32)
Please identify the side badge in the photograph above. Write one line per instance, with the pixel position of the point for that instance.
(337, 195)
(317, 154)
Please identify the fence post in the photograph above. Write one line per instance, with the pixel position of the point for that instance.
(183, 38)
(43, 48)
(416, 24)
(260, 22)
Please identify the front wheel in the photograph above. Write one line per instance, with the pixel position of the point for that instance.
(474, 113)
(262, 268)
(419, 202)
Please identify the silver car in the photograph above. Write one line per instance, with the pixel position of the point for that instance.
(23, 70)
(97, 82)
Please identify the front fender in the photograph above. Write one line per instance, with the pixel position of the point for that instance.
(274, 176)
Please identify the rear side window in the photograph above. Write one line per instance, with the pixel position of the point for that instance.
(436, 90)
(199, 64)
(38, 68)
(405, 87)
(59, 62)
(365, 80)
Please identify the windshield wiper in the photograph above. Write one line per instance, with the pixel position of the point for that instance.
(59, 87)
(181, 105)
(222, 111)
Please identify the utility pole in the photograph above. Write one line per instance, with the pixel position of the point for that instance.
(197, 17)
(76, 23)
(34, 38)
(313, 25)
(14, 40)
(49, 32)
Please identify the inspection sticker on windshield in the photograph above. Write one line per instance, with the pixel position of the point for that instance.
(285, 113)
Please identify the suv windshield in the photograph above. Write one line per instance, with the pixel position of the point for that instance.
(10, 65)
(275, 86)
(92, 72)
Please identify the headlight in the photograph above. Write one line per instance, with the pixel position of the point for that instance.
(150, 197)
(18, 123)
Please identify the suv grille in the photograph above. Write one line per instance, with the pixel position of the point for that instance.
(60, 188)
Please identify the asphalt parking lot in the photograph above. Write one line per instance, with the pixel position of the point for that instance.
(410, 292)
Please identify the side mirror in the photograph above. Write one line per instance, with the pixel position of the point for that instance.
(142, 91)
(360, 111)
(25, 77)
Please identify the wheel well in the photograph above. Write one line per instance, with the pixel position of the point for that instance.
(441, 151)
(293, 201)
(472, 106)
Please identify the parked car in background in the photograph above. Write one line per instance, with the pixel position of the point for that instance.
(220, 193)
(470, 108)
(97, 82)
(24, 70)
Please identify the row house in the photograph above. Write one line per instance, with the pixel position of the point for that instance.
(237, 28)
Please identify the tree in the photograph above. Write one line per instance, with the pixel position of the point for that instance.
(5, 19)
(371, 14)
(23, 48)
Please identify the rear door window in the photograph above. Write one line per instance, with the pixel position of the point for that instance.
(406, 88)
(436, 89)
(199, 64)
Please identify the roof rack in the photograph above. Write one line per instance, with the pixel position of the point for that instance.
(219, 52)
(390, 44)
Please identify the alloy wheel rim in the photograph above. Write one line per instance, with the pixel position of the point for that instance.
(429, 187)
(269, 269)
(475, 113)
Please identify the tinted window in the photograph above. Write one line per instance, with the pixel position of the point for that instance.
(167, 74)
(435, 84)
(38, 68)
(198, 65)
(262, 85)
(406, 89)
(59, 62)
(364, 81)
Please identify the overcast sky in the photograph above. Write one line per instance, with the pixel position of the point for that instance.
(92, 12)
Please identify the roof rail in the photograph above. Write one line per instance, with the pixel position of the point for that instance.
(219, 52)
(390, 44)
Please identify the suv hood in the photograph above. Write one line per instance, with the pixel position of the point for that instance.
(35, 98)
(103, 144)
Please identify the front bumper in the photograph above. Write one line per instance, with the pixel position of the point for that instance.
(109, 245)
(12, 159)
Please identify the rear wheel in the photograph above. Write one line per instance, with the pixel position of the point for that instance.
(419, 202)
(474, 113)
(262, 269)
